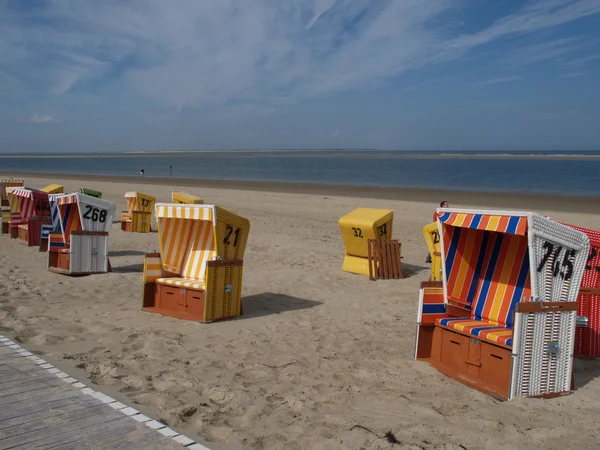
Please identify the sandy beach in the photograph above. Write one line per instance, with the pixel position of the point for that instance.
(321, 359)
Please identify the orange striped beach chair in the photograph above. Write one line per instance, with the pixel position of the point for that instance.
(503, 318)
(6, 183)
(139, 210)
(197, 274)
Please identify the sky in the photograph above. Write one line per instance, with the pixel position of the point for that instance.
(131, 75)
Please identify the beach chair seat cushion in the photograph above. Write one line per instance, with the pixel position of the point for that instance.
(480, 328)
(188, 283)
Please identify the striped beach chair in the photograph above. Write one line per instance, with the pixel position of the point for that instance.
(138, 215)
(197, 274)
(510, 285)
(587, 337)
(33, 209)
(48, 228)
(6, 183)
(81, 246)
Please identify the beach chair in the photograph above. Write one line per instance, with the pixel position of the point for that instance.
(6, 183)
(185, 198)
(91, 192)
(54, 226)
(53, 189)
(138, 215)
(587, 336)
(13, 208)
(81, 246)
(197, 275)
(32, 210)
(503, 318)
(432, 238)
(357, 228)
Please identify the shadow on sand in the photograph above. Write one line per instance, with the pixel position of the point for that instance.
(269, 303)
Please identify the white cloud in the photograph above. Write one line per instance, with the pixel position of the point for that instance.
(42, 118)
(215, 52)
(574, 74)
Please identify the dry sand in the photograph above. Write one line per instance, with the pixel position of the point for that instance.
(322, 359)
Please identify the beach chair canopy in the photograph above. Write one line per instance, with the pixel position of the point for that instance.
(492, 260)
(191, 235)
(54, 189)
(31, 202)
(138, 202)
(80, 212)
(6, 183)
(185, 198)
(12, 200)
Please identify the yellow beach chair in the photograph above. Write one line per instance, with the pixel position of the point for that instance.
(54, 189)
(198, 273)
(139, 209)
(185, 198)
(6, 183)
(432, 238)
(357, 228)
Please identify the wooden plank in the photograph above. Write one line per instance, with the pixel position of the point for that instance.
(55, 428)
(370, 257)
(49, 426)
(31, 406)
(64, 406)
(17, 376)
(138, 437)
(32, 394)
(29, 387)
(121, 425)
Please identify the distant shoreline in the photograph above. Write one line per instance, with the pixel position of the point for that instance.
(376, 154)
(495, 200)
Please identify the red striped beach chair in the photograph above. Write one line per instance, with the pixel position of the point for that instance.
(510, 285)
(587, 337)
(33, 210)
(81, 246)
(197, 275)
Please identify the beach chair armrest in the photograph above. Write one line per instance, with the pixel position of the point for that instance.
(224, 263)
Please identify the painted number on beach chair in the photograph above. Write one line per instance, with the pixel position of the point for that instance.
(42, 206)
(95, 214)
(229, 230)
(591, 257)
(357, 232)
(382, 229)
(554, 255)
(435, 236)
(145, 202)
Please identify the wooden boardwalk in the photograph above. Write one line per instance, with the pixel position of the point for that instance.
(42, 407)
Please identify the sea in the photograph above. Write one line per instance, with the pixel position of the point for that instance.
(565, 173)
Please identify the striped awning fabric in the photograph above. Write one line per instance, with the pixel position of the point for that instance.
(174, 211)
(31, 203)
(66, 199)
(186, 238)
(511, 224)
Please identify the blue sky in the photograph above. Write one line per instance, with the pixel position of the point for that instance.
(127, 75)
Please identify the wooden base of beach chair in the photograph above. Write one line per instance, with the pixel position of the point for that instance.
(138, 223)
(5, 227)
(126, 226)
(43, 245)
(5, 202)
(481, 365)
(14, 232)
(385, 260)
(181, 303)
